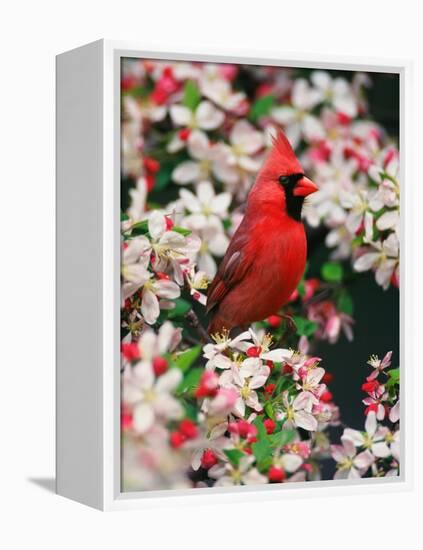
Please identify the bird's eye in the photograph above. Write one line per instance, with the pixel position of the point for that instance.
(284, 180)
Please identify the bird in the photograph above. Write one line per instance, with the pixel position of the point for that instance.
(266, 257)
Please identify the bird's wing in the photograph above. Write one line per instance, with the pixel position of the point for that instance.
(232, 270)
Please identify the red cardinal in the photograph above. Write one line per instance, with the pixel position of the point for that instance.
(266, 257)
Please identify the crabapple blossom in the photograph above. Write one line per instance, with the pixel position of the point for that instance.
(382, 256)
(372, 439)
(350, 465)
(203, 156)
(151, 398)
(336, 91)
(205, 117)
(204, 205)
(296, 119)
(296, 411)
(243, 474)
(219, 90)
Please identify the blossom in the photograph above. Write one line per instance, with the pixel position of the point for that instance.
(205, 116)
(151, 398)
(219, 90)
(203, 155)
(214, 442)
(204, 205)
(233, 160)
(296, 118)
(336, 91)
(242, 474)
(349, 464)
(379, 365)
(197, 280)
(171, 250)
(214, 242)
(138, 194)
(250, 375)
(372, 439)
(223, 342)
(383, 259)
(135, 259)
(394, 413)
(330, 321)
(296, 411)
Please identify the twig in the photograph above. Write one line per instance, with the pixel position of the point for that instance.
(193, 320)
(291, 328)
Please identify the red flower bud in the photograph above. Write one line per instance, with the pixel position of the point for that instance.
(184, 134)
(188, 429)
(126, 420)
(254, 351)
(176, 439)
(370, 386)
(270, 388)
(327, 378)
(372, 407)
(276, 475)
(208, 459)
(151, 165)
(270, 425)
(162, 276)
(160, 365)
(131, 351)
(326, 397)
(287, 369)
(274, 321)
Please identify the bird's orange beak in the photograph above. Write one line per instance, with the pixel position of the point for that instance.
(305, 187)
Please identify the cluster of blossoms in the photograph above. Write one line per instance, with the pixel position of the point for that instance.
(252, 415)
(244, 410)
(376, 451)
(217, 138)
(158, 259)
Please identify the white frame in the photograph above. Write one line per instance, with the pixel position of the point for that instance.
(88, 164)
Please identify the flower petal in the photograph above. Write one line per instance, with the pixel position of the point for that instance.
(143, 418)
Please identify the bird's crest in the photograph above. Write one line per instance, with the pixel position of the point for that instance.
(281, 159)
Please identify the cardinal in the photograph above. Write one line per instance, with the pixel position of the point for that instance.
(267, 254)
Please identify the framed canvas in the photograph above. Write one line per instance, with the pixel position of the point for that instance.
(231, 308)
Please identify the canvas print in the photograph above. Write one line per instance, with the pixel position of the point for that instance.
(260, 275)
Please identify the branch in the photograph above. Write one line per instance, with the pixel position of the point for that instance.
(193, 320)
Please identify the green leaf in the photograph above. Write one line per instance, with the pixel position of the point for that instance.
(190, 381)
(345, 303)
(332, 272)
(304, 326)
(191, 410)
(261, 449)
(192, 96)
(123, 217)
(301, 288)
(182, 231)
(140, 228)
(357, 241)
(393, 378)
(181, 308)
(261, 107)
(281, 438)
(234, 455)
(268, 409)
(139, 91)
(184, 360)
(163, 176)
